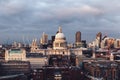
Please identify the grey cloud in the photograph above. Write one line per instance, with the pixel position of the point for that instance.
(37, 16)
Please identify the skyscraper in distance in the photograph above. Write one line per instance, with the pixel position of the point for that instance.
(44, 39)
(78, 38)
(99, 39)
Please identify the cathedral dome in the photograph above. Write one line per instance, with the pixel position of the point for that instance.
(60, 35)
(60, 40)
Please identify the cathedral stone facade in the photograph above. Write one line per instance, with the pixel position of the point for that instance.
(59, 46)
(60, 40)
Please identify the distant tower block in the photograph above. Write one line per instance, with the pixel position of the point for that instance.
(44, 39)
(78, 36)
(99, 39)
(78, 39)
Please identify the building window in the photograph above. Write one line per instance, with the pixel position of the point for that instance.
(57, 44)
(62, 45)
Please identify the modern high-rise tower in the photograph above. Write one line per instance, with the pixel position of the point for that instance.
(78, 39)
(98, 39)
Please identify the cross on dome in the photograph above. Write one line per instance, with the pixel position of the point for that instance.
(60, 30)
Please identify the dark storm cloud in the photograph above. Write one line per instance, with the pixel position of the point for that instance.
(37, 16)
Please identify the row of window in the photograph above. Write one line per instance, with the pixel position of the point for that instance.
(60, 44)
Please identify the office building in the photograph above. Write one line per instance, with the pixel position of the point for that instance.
(14, 67)
(107, 42)
(78, 39)
(44, 39)
(117, 43)
(98, 39)
(102, 70)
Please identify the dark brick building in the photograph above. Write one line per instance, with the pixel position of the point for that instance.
(105, 70)
(58, 73)
(59, 68)
(14, 67)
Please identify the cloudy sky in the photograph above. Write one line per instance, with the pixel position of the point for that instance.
(28, 19)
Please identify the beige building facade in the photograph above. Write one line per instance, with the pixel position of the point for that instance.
(15, 54)
(59, 47)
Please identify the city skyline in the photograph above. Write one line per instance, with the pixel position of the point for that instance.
(19, 19)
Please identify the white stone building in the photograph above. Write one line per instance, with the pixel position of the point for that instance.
(59, 47)
(15, 54)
